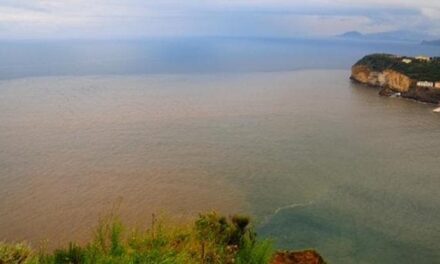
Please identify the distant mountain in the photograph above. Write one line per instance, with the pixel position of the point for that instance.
(351, 34)
(400, 35)
(431, 42)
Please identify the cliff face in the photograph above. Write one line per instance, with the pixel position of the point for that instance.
(391, 79)
(393, 82)
(302, 257)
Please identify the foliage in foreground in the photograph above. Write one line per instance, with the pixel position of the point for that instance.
(211, 239)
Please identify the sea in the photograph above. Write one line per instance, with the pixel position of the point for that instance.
(272, 128)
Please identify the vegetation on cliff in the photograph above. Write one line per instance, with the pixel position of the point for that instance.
(211, 239)
(420, 70)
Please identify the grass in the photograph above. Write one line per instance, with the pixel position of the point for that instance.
(210, 239)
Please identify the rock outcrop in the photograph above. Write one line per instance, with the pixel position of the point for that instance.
(302, 257)
(392, 81)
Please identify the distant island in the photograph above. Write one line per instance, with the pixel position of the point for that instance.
(410, 77)
(431, 42)
(398, 35)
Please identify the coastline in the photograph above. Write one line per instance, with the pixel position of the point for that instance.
(415, 78)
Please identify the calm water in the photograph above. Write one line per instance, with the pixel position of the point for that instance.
(320, 162)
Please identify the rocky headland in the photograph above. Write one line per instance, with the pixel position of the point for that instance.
(416, 78)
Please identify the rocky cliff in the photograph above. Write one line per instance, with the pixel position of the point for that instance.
(395, 77)
(301, 257)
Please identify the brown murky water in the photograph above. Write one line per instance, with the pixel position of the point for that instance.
(72, 148)
(319, 161)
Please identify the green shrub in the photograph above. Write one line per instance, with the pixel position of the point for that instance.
(253, 251)
(416, 70)
(74, 254)
(212, 239)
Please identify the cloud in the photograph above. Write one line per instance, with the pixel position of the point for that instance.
(431, 13)
(144, 18)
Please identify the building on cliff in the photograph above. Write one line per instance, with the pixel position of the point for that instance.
(407, 61)
(423, 58)
(425, 84)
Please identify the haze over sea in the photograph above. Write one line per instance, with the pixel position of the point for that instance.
(269, 127)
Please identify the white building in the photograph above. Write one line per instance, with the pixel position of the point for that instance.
(423, 58)
(407, 61)
(425, 84)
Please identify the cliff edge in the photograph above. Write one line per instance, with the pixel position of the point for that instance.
(301, 257)
(410, 77)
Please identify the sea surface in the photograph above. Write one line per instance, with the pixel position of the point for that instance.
(268, 127)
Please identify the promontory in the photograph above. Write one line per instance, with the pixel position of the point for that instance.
(410, 77)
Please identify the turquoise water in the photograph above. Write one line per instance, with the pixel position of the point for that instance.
(320, 162)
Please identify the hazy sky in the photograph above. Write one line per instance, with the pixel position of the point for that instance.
(276, 18)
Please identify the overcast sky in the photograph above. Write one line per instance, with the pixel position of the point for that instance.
(269, 18)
